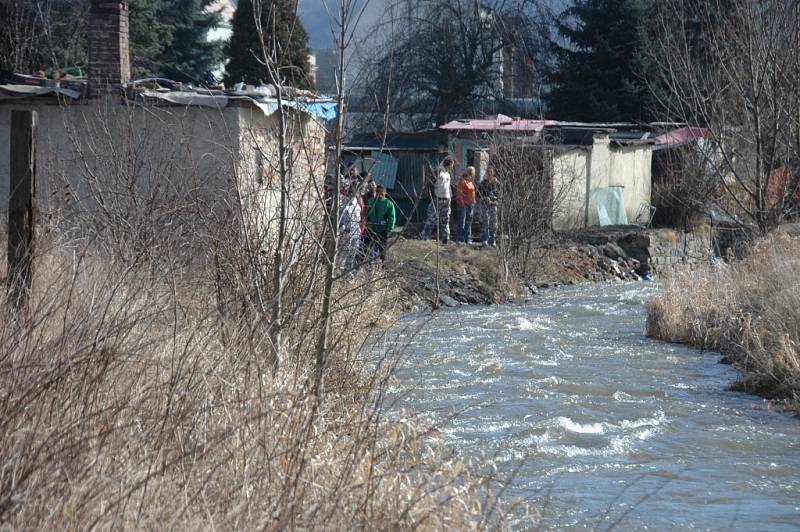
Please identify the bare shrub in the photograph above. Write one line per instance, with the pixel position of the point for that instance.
(142, 387)
(123, 404)
(749, 310)
(537, 189)
(730, 66)
(683, 186)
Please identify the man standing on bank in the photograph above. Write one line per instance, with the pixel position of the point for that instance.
(488, 195)
(439, 208)
(381, 220)
(465, 199)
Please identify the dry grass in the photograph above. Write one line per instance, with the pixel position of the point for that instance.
(749, 310)
(128, 401)
(480, 263)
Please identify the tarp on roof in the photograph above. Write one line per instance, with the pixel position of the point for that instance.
(9, 92)
(533, 126)
(215, 101)
(680, 137)
(320, 108)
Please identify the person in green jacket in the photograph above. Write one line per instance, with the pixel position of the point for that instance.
(380, 223)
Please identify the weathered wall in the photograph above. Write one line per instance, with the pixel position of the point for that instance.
(660, 251)
(569, 188)
(606, 166)
(628, 167)
(631, 168)
(104, 153)
(259, 168)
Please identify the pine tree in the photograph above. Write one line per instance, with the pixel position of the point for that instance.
(190, 54)
(149, 36)
(291, 38)
(599, 75)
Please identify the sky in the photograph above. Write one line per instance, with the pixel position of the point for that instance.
(316, 20)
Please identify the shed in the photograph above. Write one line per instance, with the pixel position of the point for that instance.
(600, 171)
(400, 161)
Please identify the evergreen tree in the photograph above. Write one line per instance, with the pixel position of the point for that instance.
(282, 28)
(600, 73)
(170, 38)
(149, 37)
(189, 54)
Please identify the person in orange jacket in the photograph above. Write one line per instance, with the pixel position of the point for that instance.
(465, 200)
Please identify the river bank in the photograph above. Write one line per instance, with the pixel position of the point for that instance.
(454, 274)
(748, 309)
(134, 395)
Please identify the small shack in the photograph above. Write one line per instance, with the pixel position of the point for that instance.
(402, 162)
(595, 174)
(104, 139)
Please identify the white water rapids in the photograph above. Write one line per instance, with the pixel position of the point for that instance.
(604, 427)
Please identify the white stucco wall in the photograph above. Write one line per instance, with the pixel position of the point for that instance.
(631, 168)
(580, 171)
(569, 188)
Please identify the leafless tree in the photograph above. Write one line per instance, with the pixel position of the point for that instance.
(732, 66)
(538, 184)
(344, 16)
(445, 57)
(37, 33)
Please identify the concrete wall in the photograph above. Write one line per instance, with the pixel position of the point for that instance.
(579, 170)
(105, 154)
(259, 168)
(628, 167)
(631, 168)
(569, 188)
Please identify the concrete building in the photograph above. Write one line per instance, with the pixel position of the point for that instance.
(596, 174)
(104, 143)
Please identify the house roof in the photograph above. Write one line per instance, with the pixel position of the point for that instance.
(681, 136)
(167, 92)
(502, 124)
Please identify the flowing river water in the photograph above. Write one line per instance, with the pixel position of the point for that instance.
(600, 426)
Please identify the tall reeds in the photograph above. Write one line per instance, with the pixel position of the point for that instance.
(128, 401)
(748, 309)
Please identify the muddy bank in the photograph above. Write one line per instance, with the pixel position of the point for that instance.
(456, 274)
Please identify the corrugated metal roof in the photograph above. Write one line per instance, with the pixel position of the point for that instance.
(521, 124)
(681, 136)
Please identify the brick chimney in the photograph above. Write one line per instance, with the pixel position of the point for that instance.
(109, 58)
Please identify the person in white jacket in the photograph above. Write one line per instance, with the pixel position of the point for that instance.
(439, 208)
(349, 230)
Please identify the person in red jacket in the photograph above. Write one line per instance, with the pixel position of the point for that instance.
(465, 200)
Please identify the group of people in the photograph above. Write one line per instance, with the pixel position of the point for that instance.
(468, 196)
(367, 218)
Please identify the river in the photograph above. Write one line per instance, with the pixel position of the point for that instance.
(604, 427)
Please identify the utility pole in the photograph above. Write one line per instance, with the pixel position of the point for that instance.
(21, 201)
